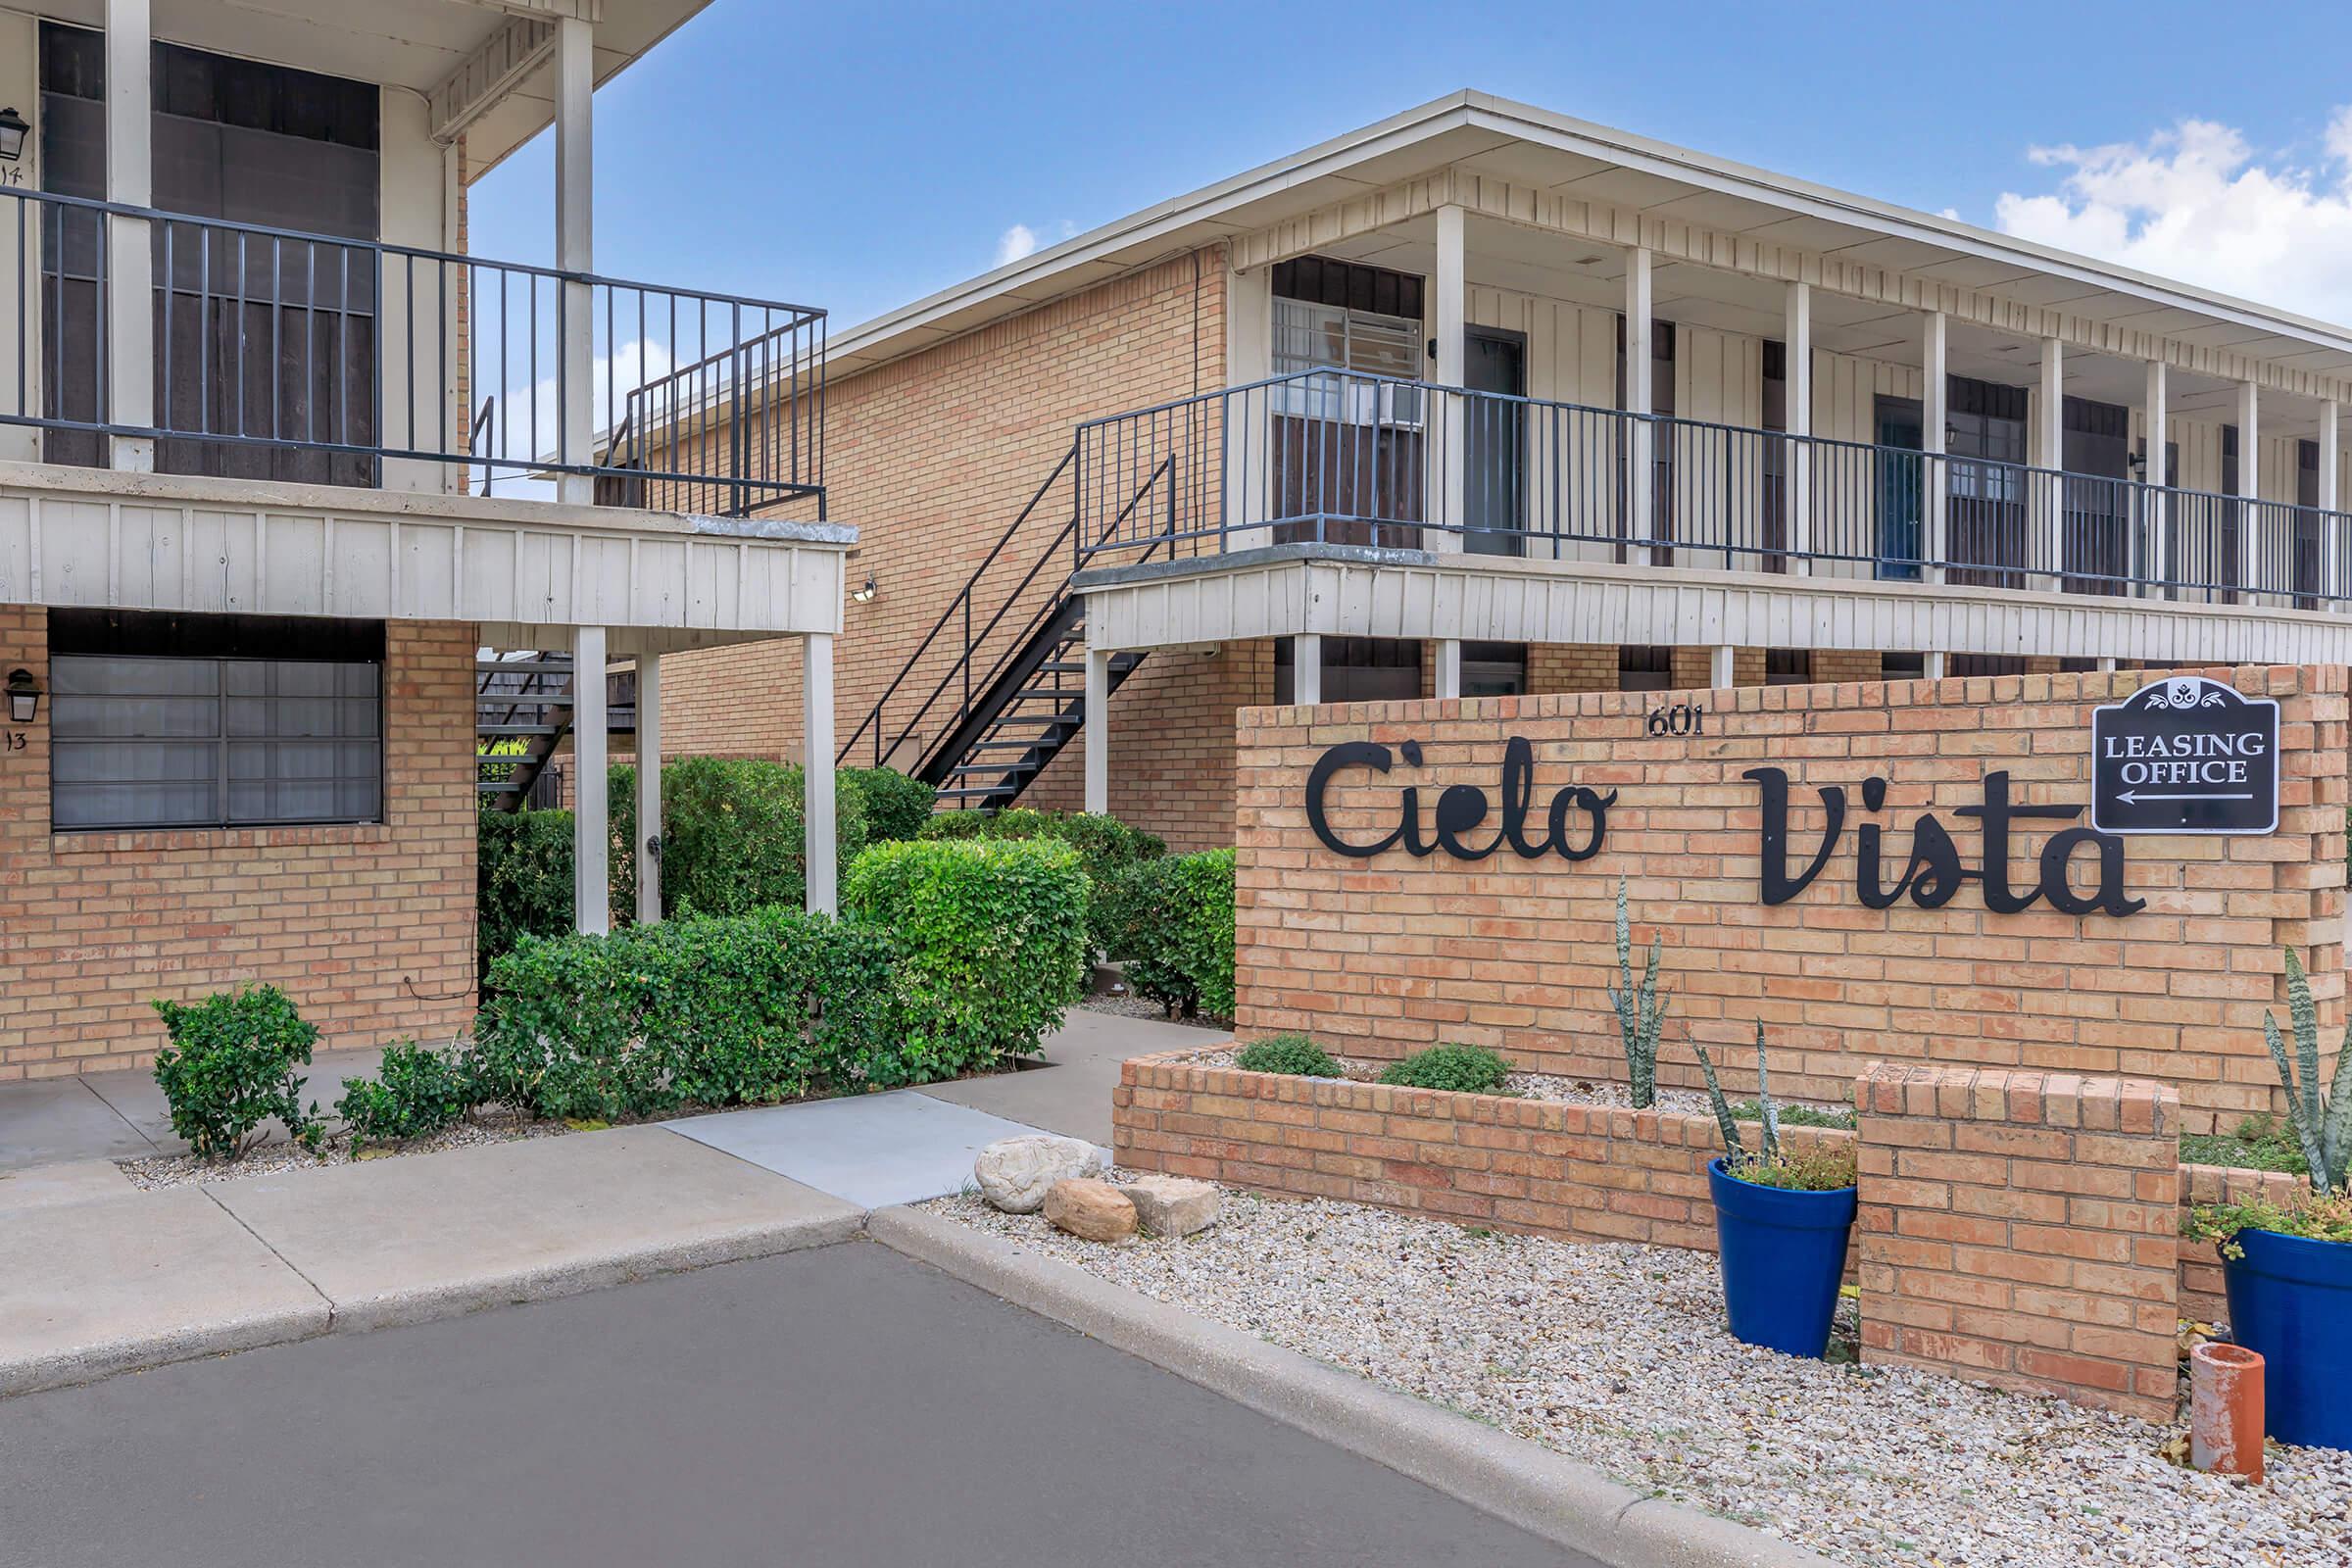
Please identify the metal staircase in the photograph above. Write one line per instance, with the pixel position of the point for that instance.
(1011, 692)
(521, 713)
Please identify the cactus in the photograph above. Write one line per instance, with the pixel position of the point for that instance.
(1736, 1153)
(1641, 1012)
(2323, 1123)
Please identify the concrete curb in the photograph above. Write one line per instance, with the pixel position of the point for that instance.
(1522, 1483)
(90, 1363)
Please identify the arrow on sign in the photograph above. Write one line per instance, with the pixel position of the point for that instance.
(2130, 797)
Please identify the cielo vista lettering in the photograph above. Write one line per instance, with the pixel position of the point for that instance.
(1461, 808)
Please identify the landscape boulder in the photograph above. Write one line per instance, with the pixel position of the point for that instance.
(1015, 1173)
(1091, 1210)
(1174, 1205)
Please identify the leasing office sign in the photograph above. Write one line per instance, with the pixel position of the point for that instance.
(2185, 755)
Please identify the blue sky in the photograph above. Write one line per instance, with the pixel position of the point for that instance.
(857, 158)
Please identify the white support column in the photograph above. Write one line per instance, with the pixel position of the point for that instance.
(2052, 411)
(2336, 564)
(1932, 665)
(820, 854)
(1449, 666)
(130, 267)
(591, 813)
(1307, 668)
(1641, 438)
(1097, 733)
(575, 84)
(2108, 665)
(2158, 550)
(1723, 666)
(1934, 481)
(1797, 384)
(2249, 486)
(649, 788)
(1452, 315)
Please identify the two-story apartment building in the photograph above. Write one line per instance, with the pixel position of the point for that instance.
(280, 462)
(1483, 399)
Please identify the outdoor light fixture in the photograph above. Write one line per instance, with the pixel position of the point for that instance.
(2139, 465)
(24, 697)
(863, 592)
(13, 130)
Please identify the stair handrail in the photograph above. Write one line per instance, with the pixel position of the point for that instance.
(962, 598)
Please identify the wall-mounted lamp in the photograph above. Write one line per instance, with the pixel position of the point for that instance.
(2138, 462)
(24, 697)
(12, 131)
(863, 592)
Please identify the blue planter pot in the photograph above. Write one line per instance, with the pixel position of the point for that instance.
(1783, 1254)
(2290, 1302)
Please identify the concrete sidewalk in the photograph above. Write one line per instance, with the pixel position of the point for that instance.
(122, 1115)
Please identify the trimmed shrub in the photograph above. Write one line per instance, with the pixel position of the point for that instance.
(1294, 1055)
(230, 1068)
(740, 1009)
(523, 879)
(1455, 1068)
(731, 835)
(1174, 920)
(994, 938)
(417, 1092)
(896, 807)
(1107, 848)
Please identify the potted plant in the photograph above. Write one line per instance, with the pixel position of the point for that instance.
(1781, 1221)
(2288, 1267)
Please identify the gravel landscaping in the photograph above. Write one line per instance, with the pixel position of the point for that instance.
(272, 1159)
(1547, 1086)
(1616, 1356)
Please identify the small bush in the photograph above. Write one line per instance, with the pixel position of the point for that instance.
(1294, 1055)
(994, 942)
(1107, 848)
(417, 1092)
(1174, 921)
(731, 835)
(1456, 1068)
(896, 807)
(230, 1068)
(2315, 1216)
(1822, 1168)
(523, 879)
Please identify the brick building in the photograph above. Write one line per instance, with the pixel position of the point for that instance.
(1481, 399)
(273, 475)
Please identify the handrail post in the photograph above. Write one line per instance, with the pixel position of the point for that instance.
(126, 351)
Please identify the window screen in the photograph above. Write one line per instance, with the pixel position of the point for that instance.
(206, 735)
(1494, 669)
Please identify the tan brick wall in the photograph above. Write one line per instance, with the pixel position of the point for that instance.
(368, 927)
(1384, 956)
(931, 457)
(2021, 1229)
(2201, 1299)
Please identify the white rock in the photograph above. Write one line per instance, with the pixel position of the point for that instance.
(1015, 1173)
(1173, 1206)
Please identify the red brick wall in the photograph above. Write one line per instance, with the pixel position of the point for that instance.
(1386, 955)
(368, 927)
(2022, 1229)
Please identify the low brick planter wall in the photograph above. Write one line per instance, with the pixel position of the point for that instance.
(1579, 1172)
(2200, 1262)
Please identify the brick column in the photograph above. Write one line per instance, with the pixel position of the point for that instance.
(2018, 1228)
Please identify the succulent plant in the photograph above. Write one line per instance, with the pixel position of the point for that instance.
(1810, 1167)
(1640, 1010)
(1769, 1113)
(2323, 1123)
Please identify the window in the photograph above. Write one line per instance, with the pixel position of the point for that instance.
(1644, 670)
(214, 721)
(1787, 667)
(1984, 664)
(1494, 669)
(1339, 315)
(1903, 667)
(1356, 670)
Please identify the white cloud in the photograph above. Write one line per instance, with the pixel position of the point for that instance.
(2199, 202)
(1014, 243)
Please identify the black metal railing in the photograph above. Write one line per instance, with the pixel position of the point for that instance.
(1339, 458)
(283, 355)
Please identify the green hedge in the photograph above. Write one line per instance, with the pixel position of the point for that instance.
(896, 807)
(523, 879)
(994, 938)
(731, 835)
(1107, 848)
(721, 1012)
(1172, 919)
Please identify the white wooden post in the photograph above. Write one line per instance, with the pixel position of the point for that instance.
(1452, 315)
(1307, 668)
(575, 91)
(1723, 666)
(1932, 665)
(591, 814)
(2333, 545)
(2159, 550)
(1796, 353)
(2249, 486)
(1935, 479)
(649, 788)
(820, 854)
(1098, 729)
(1449, 666)
(2053, 457)
(131, 266)
(1641, 438)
